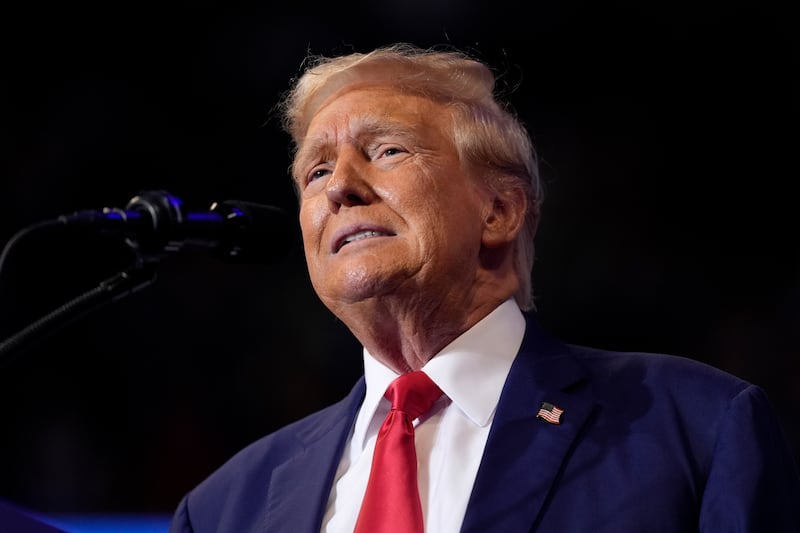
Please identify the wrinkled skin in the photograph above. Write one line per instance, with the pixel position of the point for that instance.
(403, 241)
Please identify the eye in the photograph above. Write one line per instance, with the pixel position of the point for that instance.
(317, 173)
(389, 151)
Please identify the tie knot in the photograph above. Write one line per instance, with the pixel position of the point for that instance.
(414, 393)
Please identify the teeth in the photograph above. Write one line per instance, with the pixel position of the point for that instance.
(361, 235)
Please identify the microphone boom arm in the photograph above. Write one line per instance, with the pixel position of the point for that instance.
(154, 223)
(122, 284)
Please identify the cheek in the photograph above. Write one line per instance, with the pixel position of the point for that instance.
(439, 220)
(309, 228)
(312, 219)
(461, 226)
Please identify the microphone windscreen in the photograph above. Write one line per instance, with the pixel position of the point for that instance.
(254, 233)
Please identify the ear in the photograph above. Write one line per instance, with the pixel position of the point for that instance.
(505, 217)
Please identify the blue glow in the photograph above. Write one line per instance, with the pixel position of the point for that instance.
(174, 200)
(108, 523)
(203, 217)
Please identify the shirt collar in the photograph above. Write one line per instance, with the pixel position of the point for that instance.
(471, 370)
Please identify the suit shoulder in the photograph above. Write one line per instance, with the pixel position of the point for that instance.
(287, 440)
(245, 475)
(673, 375)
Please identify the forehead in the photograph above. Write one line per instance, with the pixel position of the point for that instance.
(373, 111)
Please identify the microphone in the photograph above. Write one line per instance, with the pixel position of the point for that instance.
(154, 222)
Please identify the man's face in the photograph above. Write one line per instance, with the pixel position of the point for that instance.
(386, 206)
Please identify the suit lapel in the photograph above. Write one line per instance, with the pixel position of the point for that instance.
(300, 486)
(521, 462)
(524, 454)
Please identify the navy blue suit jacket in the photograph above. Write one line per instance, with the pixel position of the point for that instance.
(647, 443)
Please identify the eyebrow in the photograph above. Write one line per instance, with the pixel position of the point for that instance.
(365, 127)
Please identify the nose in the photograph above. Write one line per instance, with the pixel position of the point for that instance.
(348, 186)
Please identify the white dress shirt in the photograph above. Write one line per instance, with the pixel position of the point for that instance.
(450, 439)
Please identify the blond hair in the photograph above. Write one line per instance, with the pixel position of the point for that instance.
(486, 132)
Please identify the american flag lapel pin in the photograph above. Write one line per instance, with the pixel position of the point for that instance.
(550, 413)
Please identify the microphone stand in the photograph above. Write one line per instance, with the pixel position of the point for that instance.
(154, 223)
(140, 275)
(124, 283)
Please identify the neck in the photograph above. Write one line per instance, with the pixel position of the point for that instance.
(405, 335)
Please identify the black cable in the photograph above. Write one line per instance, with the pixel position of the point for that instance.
(21, 234)
(141, 274)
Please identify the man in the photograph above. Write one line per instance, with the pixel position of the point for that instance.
(419, 200)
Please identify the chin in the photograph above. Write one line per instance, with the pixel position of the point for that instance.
(357, 284)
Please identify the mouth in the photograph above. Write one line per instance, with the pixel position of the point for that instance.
(359, 235)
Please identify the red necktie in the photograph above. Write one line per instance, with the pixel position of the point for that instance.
(391, 503)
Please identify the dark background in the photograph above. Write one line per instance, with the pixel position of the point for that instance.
(668, 139)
